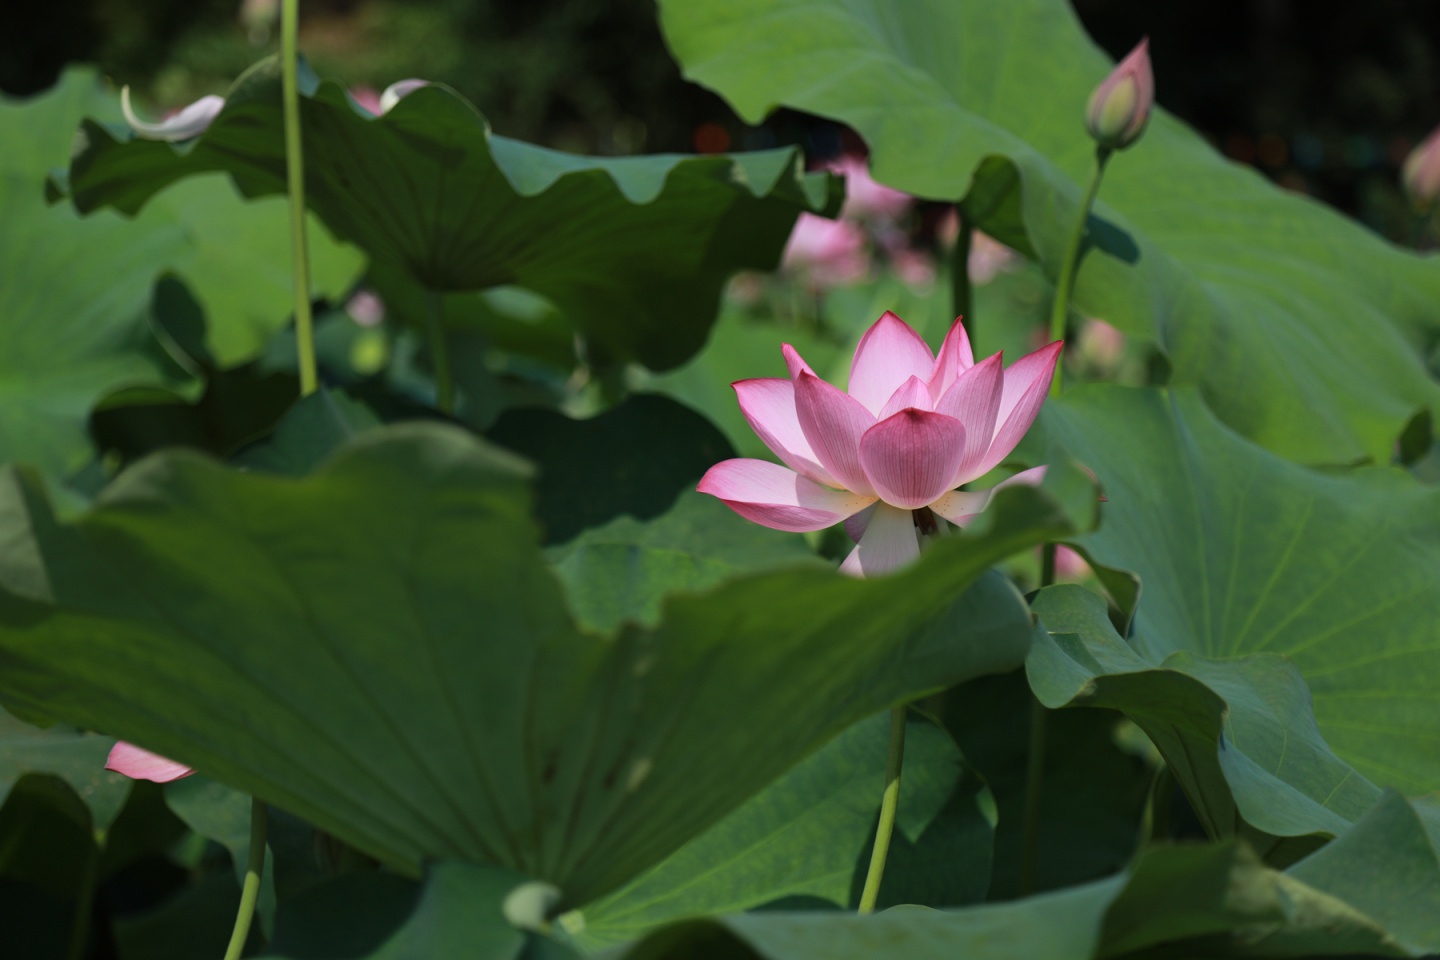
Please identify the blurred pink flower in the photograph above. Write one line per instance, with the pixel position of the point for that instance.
(887, 457)
(1101, 343)
(140, 764)
(366, 308)
(865, 199)
(831, 252)
(1421, 172)
(1120, 107)
(1069, 565)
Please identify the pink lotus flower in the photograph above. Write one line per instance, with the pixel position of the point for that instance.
(1120, 107)
(865, 197)
(140, 764)
(888, 456)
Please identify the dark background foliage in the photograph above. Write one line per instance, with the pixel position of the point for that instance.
(1325, 99)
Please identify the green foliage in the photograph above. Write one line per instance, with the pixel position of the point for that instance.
(1240, 553)
(1300, 328)
(402, 581)
(634, 250)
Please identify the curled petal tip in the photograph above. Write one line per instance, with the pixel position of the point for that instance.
(184, 124)
(398, 91)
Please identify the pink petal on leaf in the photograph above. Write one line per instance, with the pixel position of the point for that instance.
(889, 543)
(962, 506)
(833, 422)
(954, 359)
(974, 400)
(912, 393)
(889, 353)
(911, 457)
(137, 764)
(1027, 383)
(769, 406)
(773, 496)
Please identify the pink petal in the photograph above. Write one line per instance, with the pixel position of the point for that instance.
(889, 354)
(793, 362)
(1027, 382)
(974, 400)
(769, 406)
(833, 422)
(911, 457)
(889, 543)
(773, 496)
(856, 523)
(962, 506)
(140, 764)
(954, 359)
(912, 393)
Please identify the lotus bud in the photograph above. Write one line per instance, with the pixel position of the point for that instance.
(1120, 107)
(397, 91)
(1421, 173)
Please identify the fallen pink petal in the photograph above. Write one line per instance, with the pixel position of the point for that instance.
(138, 764)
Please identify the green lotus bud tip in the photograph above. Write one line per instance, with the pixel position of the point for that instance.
(1120, 106)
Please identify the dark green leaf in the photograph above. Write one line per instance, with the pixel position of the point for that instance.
(633, 250)
(381, 649)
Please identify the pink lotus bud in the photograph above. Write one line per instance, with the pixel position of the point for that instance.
(1421, 173)
(1120, 107)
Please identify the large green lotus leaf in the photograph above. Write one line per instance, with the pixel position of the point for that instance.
(1387, 867)
(1300, 326)
(232, 254)
(380, 648)
(809, 834)
(76, 757)
(1210, 901)
(73, 307)
(634, 250)
(1237, 733)
(1241, 553)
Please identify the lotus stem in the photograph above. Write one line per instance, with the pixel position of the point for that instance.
(889, 804)
(960, 272)
(439, 353)
(1065, 284)
(295, 178)
(250, 892)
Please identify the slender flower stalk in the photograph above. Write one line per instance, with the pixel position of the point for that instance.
(250, 891)
(1065, 285)
(960, 287)
(295, 178)
(889, 806)
(439, 353)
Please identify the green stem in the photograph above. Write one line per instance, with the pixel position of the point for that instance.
(295, 177)
(1065, 285)
(1035, 760)
(250, 892)
(1034, 784)
(960, 273)
(1161, 792)
(889, 804)
(439, 353)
